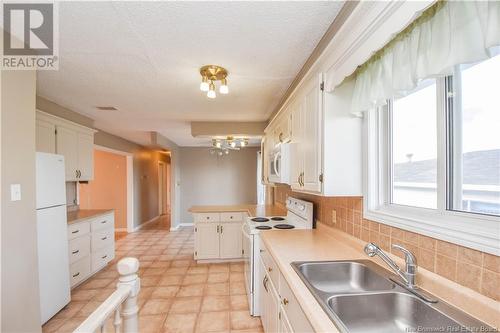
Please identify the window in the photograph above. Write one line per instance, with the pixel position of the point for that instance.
(433, 158)
(414, 142)
(475, 139)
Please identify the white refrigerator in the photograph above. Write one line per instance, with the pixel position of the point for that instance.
(52, 234)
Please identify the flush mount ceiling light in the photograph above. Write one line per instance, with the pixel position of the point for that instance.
(223, 146)
(210, 74)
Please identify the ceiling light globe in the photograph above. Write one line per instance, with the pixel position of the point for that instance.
(227, 152)
(243, 143)
(224, 89)
(211, 94)
(218, 144)
(233, 144)
(204, 86)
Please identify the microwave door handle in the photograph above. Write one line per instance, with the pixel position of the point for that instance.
(278, 155)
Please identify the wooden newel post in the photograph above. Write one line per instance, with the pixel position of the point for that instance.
(128, 267)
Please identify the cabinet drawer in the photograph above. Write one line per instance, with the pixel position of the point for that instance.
(101, 257)
(102, 222)
(231, 216)
(271, 267)
(79, 248)
(207, 217)
(102, 238)
(79, 271)
(78, 229)
(294, 313)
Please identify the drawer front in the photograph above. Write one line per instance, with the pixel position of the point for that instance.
(207, 217)
(102, 238)
(79, 248)
(78, 229)
(101, 257)
(103, 222)
(79, 271)
(294, 313)
(231, 216)
(271, 267)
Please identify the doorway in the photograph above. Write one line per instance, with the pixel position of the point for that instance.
(163, 188)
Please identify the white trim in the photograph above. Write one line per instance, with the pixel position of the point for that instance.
(130, 183)
(475, 231)
(181, 225)
(142, 225)
(161, 200)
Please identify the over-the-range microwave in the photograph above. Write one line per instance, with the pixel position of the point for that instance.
(279, 164)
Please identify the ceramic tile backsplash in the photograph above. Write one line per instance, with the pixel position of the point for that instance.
(473, 269)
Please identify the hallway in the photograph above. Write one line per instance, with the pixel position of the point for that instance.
(177, 294)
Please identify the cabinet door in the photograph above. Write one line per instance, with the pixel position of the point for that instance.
(206, 241)
(67, 145)
(284, 324)
(296, 151)
(231, 240)
(86, 156)
(312, 137)
(45, 137)
(272, 308)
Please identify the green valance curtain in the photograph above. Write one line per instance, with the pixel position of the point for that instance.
(447, 34)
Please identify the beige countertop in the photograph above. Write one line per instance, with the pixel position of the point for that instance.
(84, 214)
(252, 210)
(326, 243)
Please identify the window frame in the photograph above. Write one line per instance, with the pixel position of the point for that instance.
(473, 230)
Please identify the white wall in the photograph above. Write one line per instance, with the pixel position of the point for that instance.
(210, 180)
(19, 292)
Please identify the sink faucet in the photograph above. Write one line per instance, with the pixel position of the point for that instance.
(410, 273)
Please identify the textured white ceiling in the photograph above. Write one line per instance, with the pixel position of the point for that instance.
(143, 58)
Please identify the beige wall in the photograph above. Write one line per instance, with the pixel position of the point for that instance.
(209, 180)
(20, 311)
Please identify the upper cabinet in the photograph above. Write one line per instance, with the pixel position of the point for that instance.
(325, 139)
(73, 141)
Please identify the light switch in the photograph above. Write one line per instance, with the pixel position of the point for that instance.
(15, 192)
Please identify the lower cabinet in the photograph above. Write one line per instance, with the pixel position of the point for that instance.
(91, 246)
(218, 235)
(280, 310)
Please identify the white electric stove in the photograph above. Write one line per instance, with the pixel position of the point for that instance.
(299, 216)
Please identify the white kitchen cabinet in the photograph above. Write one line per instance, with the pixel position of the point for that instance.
(218, 235)
(91, 246)
(270, 303)
(73, 141)
(326, 147)
(280, 310)
(231, 239)
(66, 144)
(45, 136)
(206, 240)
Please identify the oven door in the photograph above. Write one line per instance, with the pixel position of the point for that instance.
(248, 258)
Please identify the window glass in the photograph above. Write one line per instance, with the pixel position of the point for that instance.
(476, 139)
(414, 148)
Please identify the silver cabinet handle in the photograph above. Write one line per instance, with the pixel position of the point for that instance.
(102, 222)
(104, 238)
(221, 229)
(75, 275)
(104, 257)
(264, 282)
(75, 252)
(75, 232)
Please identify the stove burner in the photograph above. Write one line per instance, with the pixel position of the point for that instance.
(284, 226)
(260, 219)
(277, 218)
(263, 227)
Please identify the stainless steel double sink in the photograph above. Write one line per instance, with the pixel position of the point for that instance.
(360, 296)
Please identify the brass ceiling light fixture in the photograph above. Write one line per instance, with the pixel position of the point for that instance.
(223, 146)
(210, 74)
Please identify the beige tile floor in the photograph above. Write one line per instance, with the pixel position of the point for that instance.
(177, 294)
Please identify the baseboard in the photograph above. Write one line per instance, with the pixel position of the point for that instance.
(181, 225)
(140, 226)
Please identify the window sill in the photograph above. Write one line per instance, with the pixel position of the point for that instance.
(476, 231)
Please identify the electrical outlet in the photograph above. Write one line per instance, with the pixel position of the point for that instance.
(15, 192)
